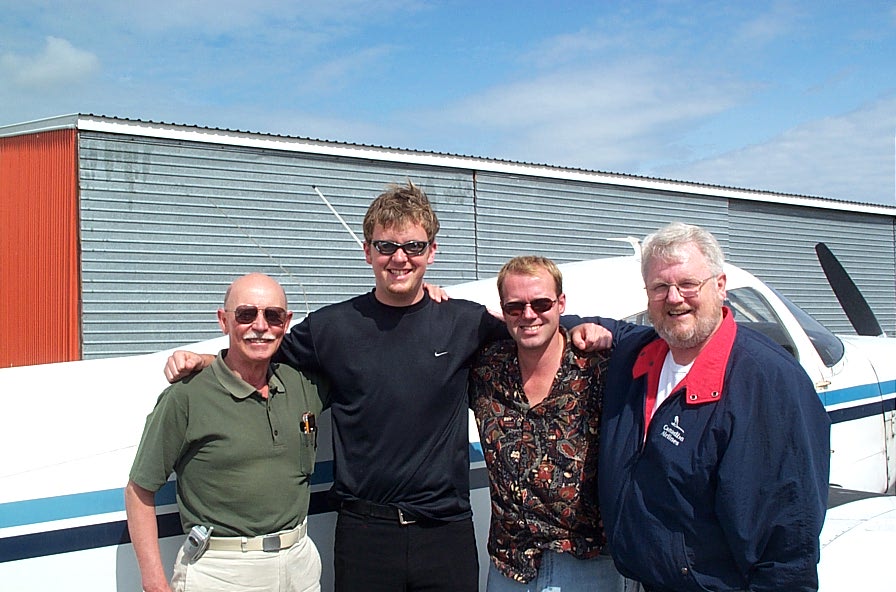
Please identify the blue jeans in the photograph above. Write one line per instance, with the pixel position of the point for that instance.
(561, 572)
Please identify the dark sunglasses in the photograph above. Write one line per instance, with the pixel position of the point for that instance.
(515, 308)
(273, 315)
(410, 248)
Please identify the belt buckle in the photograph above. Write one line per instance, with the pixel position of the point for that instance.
(270, 543)
(401, 519)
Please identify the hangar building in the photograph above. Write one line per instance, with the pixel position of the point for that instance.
(119, 236)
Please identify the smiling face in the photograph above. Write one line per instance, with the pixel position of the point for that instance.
(532, 330)
(254, 342)
(686, 324)
(399, 277)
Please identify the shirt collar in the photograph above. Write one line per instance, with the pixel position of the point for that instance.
(703, 383)
(238, 387)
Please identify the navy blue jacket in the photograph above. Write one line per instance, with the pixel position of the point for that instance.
(728, 490)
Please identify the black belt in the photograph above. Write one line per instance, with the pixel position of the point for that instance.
(381, 511)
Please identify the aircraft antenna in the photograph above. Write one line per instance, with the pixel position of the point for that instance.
(634, 242)
(249, 236)
(338, 217)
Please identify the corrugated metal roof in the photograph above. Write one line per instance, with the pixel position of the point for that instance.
(114, 124)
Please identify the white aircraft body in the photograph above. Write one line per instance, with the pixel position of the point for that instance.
(69, 433)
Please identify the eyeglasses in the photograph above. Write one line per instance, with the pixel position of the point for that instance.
(273, 315)
(411, 248)
(686, 289)
(515, 308)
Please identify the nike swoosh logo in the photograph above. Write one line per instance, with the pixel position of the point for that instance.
(439, 354)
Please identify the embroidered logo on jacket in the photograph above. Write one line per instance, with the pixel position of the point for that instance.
(673, 432)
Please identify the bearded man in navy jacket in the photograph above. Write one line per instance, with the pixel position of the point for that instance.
(715, 448)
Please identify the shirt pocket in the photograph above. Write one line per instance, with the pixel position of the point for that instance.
(308, 431)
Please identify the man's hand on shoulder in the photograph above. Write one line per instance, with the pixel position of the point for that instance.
(436, 293)
(182, 363)
(591, 337)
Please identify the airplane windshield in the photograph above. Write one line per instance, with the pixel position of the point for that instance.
(752, 310)
(829, 347)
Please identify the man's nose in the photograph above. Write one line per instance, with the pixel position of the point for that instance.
(400, 255)
(260, 323)
(674, 294)
(528, 312)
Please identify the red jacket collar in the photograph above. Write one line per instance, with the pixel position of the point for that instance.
(703, 382)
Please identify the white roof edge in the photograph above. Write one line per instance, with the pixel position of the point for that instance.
(46, 124)
(113, 125)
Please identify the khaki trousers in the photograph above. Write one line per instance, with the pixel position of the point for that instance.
(296, 569)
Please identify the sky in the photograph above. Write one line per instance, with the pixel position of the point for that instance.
(794, 97)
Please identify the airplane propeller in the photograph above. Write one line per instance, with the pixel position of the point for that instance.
(851, 300)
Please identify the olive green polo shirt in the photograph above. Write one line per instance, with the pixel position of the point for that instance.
(243, 463)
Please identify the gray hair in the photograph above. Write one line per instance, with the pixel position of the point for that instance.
(666, 244)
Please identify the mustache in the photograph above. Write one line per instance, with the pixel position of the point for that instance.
(255, 335)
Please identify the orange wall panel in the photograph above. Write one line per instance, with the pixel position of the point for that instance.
(39, 249)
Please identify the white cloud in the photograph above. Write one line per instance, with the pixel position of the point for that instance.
(570, 47)
(226, 16)
(767, 27)
(611, 118)
(340, 71)
(59, 64)
(850, 156)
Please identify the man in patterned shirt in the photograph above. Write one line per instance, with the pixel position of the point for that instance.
(537, 402)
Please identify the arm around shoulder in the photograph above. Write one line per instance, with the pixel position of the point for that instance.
(183, 363)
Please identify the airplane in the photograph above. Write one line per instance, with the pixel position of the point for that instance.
(69, 432)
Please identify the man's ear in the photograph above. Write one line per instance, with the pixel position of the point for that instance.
(432, 252)
(222, 321)
(721, 286)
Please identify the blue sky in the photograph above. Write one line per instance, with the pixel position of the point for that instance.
(789, 96)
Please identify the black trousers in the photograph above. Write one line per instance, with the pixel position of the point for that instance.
(379, 555)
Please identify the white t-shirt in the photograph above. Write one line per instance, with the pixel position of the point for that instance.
(670, 376)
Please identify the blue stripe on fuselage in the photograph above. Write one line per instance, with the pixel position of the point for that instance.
(94, 536)
(76, 505)
(80, 505)
(859, 393)
(865, 398)
(91, 503)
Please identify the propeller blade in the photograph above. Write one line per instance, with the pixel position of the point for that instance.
(851, 300)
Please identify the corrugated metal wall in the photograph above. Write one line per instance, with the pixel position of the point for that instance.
(39, 273)
(166, 226)
(570, 221)
(776, 243)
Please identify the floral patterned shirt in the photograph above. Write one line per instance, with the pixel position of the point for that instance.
(542, 460)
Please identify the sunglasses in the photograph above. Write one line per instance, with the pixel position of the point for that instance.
(410, 248)
(515, 308)
(273, 315)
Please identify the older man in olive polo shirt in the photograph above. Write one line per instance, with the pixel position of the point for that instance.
(241, 437)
